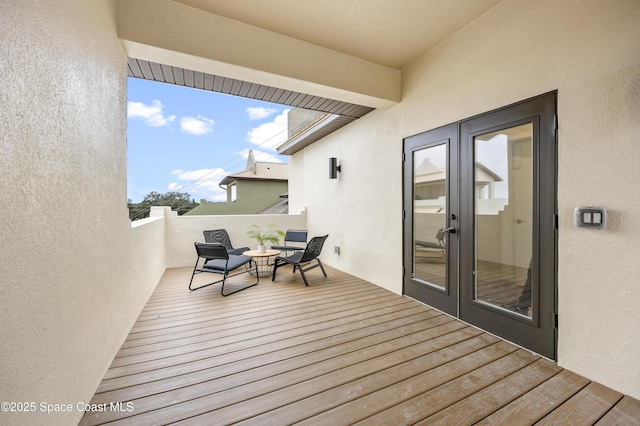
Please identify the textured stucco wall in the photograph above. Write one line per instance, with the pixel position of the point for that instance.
(67, 297)
(588, 50)
(183, 231)
(361, 210)
(148, 255)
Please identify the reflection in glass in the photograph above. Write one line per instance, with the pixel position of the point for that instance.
(429, 215)
(503, 179)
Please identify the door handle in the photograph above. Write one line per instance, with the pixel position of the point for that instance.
(450, 230)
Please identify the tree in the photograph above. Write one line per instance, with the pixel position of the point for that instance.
(178, 201)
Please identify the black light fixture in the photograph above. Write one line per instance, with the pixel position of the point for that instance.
(333, 168)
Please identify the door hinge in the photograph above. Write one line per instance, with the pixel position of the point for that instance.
(554, 320)
(555, 222)
(404, 157)
(555, 122)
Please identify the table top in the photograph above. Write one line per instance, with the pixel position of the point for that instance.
(256, 253)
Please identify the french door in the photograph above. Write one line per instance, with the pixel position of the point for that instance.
(480, 221)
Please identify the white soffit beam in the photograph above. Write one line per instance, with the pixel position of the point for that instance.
(174, 34)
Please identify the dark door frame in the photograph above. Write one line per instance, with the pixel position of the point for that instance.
(445, 299)
(539, 332)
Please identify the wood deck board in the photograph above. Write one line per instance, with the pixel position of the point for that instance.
(228, 321)
(626, 412)
(282, 295)
(289, 370)
(249, 332)
(332, 346)
(356, 368)
(586, 407)
(362, 398)
(254, 398)
(222, 313)
(272, 341)
(540, 401)
(455, 382)
(341, 351)
(481, 404)
(232, 312)
(250, 358)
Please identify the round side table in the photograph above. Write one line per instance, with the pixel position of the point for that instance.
(264, 261)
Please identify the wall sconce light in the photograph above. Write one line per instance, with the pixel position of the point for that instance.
(333, 168)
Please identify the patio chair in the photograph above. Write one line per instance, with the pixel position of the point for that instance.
(293, 236)
(300, 259)
(221, 236)
(429, 246)
(218, 261)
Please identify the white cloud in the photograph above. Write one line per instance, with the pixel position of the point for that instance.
(270, 135)
(196, 126)
(151, 114)
(256, 113)
(201, 183)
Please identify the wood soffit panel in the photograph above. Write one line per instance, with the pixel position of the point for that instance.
(148, 70)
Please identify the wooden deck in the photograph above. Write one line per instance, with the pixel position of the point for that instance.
(342, 351)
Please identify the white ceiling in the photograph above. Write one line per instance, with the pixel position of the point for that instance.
(387, 32)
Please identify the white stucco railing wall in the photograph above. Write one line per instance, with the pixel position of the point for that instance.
(148, 254)
(180, 232)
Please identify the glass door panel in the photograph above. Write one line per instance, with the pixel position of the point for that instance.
(503, 183)
(430, 205)
(430, 215)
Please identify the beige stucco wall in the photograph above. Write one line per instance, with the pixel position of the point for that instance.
(148, 256)
(68, 297)
(250, 53)
(588, 50)
(361, 210)
(182, 231)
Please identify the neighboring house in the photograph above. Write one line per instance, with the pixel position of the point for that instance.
(253, 190)
(387, 73)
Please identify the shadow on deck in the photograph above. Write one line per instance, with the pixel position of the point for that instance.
(341, 351)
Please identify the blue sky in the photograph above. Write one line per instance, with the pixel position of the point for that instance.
(188, 140)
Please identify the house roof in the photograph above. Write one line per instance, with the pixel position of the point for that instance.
(491, 173)
(428, 172)
(259, 171)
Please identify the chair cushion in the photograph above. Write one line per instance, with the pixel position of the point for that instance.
(237, 251)
(428, 244)
(219, 264)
